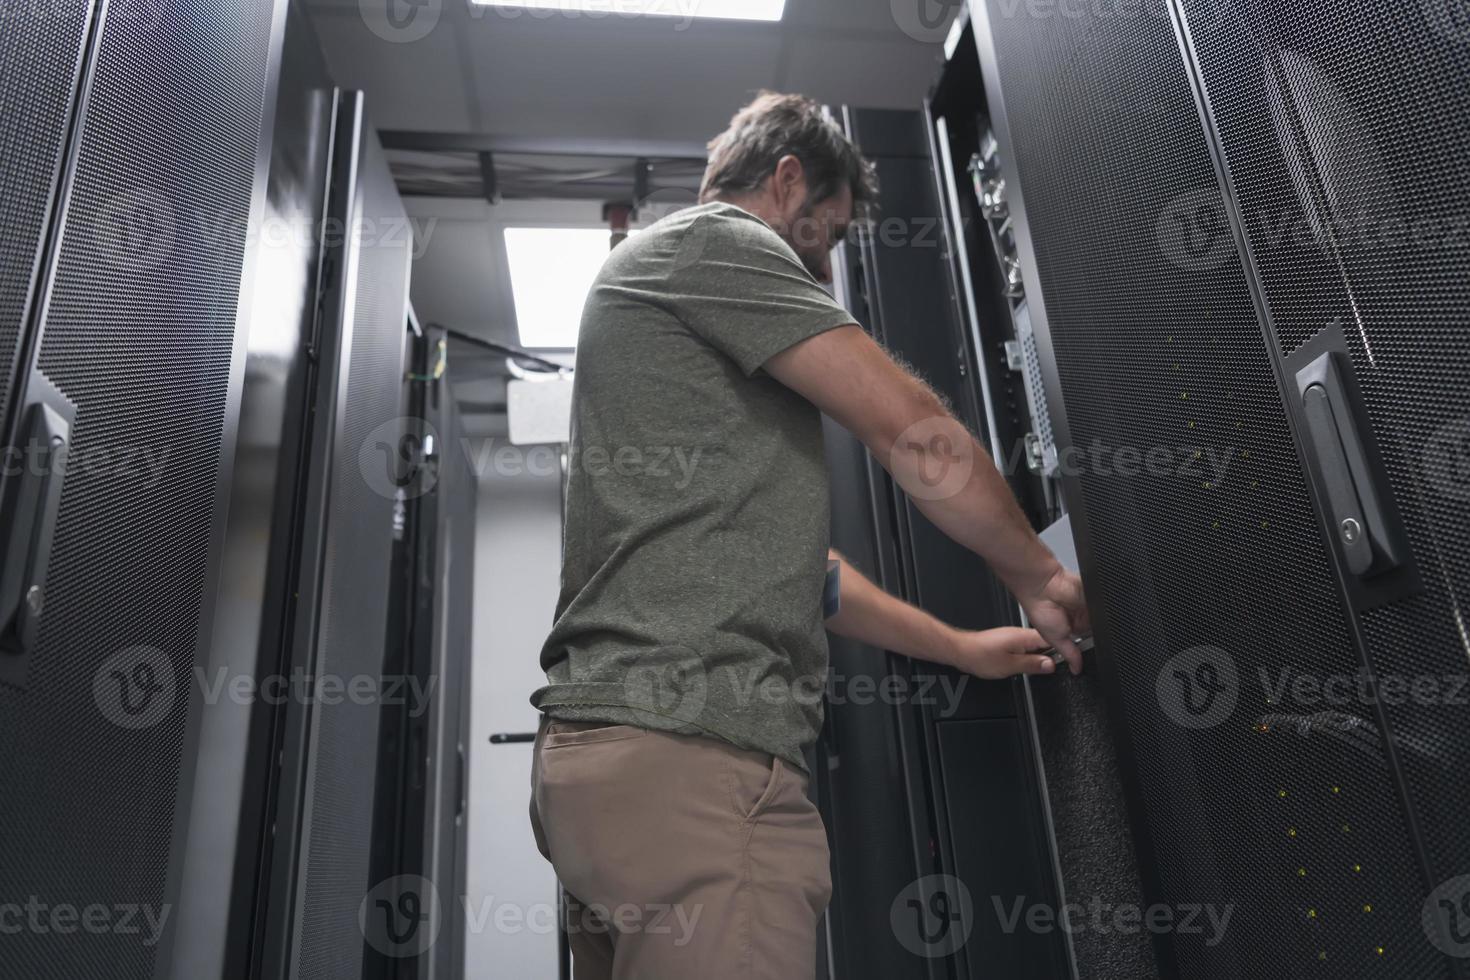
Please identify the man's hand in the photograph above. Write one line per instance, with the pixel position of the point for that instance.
(946, 473)
(1059, 612)
(996, 654)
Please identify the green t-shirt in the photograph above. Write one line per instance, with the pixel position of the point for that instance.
(695, 543)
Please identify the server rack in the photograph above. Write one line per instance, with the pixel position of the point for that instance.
(965, 763)
(1212, 208)
(137, 178)
(231, 833)
(322, 912)
(421, 817)
(1079, 763)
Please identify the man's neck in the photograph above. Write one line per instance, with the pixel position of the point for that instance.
(752, 205)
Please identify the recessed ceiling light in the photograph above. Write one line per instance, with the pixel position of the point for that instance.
(767, 10)
(551, 272)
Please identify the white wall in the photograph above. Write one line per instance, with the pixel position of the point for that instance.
(517, 572)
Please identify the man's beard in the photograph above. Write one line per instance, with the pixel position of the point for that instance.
(805, 224)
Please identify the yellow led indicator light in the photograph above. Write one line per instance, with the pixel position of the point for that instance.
(1322, 955)
(1283, 792)
(1301, 872)
(1311, 913)
(1357, 869)
(1380, 950)
(1367, 908)
(1336, 789)
(1346, 829)
(1291, 832)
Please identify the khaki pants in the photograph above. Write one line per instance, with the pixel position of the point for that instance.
(684, 858)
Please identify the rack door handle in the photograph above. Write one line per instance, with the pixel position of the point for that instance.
(35, 503)
(1360, 521)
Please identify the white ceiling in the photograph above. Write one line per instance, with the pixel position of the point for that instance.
(512, 72)
(447, 66)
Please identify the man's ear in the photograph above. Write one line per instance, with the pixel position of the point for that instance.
(789, 180)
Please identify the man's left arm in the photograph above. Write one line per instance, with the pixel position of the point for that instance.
(870, 615)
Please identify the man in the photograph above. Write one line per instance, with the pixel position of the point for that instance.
(688, 657)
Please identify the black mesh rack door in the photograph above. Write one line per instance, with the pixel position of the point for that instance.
(41, 57)
(1346, 140)
(1274, 837)
(132, 373)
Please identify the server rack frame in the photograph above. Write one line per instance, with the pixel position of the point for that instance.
(910, 558)
(1355, 597)
(110, 28)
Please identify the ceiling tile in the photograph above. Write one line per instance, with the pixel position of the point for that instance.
(870, 74)
(412, 85)
(643, 80)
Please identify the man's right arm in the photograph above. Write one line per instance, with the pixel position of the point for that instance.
(948, 475)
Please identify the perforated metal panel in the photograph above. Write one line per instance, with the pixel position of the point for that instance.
(139, 334)
(1208, 566)
(40, 53)
(1347, 136)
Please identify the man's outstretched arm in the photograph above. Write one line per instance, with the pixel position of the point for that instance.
(948, 475)
(870, 615)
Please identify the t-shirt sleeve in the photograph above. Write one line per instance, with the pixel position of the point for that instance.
(741, 288)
